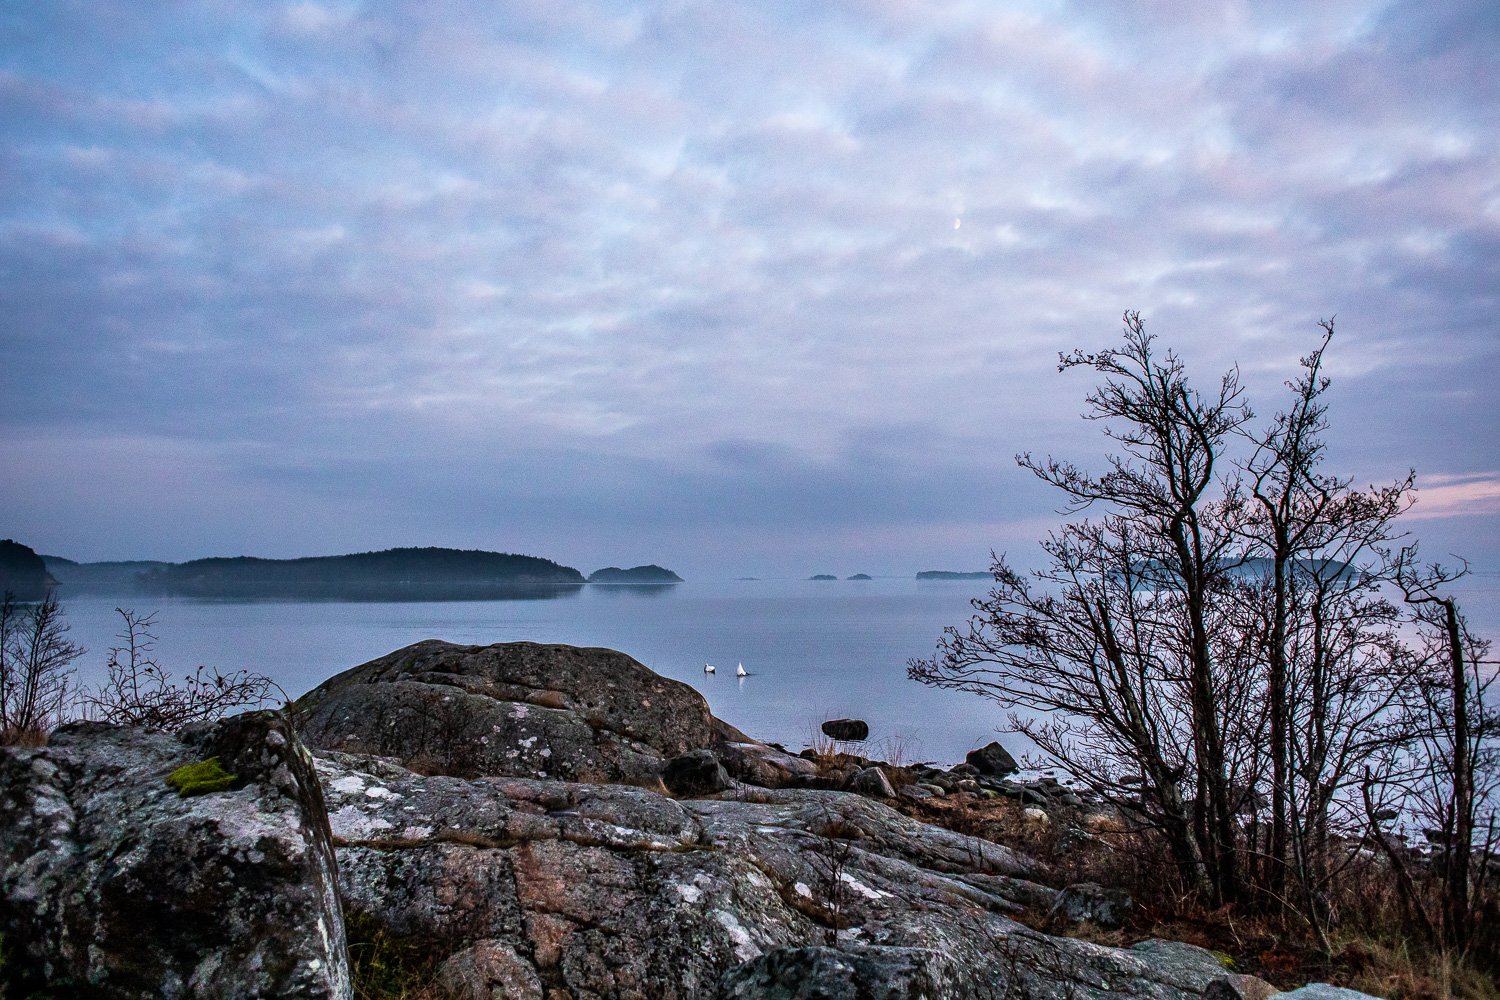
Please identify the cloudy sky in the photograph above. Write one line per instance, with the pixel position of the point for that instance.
(741, 288)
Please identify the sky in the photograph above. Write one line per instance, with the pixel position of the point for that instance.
(766, 288)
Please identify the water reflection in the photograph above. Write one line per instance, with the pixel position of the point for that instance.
(632, 589)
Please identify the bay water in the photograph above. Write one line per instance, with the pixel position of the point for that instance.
(815, 649)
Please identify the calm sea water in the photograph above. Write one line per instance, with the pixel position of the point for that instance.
(816, 650)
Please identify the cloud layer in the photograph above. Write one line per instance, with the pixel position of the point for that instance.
(737, 286)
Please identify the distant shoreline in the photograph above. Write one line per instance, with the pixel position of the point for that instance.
(405, 574)
(944, 574)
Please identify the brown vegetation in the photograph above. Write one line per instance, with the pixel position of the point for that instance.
(1371, 950)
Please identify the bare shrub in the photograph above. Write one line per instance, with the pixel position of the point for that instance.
(35, 670)
(141, 692)
(898, 749)
(833, 849)
(820, 743)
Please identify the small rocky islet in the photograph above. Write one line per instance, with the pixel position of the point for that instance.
(536, 821)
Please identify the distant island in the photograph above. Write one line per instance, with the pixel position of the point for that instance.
(860, 576)
(405, 574)
(944, 574)
(823, 576)
(100, 577)
(636, 574)
(23, 573)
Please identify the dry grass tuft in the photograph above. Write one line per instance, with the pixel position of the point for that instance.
(14, 737)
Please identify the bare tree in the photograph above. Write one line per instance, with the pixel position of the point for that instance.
(35, 669)
(140, 692)
(1217, 631)
(1458, 752)
(1128, 657)
(1332, 675)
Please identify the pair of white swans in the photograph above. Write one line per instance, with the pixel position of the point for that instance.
(739, 671)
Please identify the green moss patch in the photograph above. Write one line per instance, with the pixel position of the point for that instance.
(201, 778)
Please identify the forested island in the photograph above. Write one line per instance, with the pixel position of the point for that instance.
(636, 574)
(943, 574)
(23, 573)
(402, 574)
(422, 574)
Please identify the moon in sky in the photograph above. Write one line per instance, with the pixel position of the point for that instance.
(957, 223)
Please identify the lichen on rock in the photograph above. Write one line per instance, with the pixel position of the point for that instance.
(201, 778)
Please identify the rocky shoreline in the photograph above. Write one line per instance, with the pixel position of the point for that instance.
(539, 822)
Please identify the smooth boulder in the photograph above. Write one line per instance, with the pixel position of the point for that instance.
(515, 709)
(993, 759)
(764, 765)
(138, 863)
(846, 730)
(694, 774)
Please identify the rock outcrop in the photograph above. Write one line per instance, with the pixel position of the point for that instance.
(116, 884)
(597, 835)
(518, 709)
(620, 892)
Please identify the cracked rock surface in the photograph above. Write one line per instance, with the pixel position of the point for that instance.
(515, 830)
(115, 887)
(611, 891)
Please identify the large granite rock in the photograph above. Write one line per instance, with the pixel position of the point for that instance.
(115, 886)
(612, 891)
(517, 709)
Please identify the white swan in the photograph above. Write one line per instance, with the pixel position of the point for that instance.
(739, 671)
(708, 668)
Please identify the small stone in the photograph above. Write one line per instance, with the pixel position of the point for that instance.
(1324, 991)
(846, 729)
(489, 970)
(695, 773)
(873, 782)
(993, 759)
(1239, 988)
(1089, 901)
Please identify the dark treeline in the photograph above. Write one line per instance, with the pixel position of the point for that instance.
(23, 573)
(411, 573)
(393, 574)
